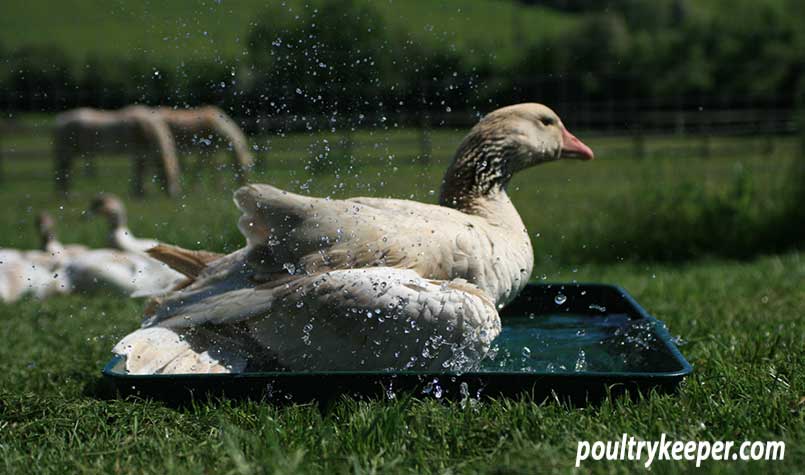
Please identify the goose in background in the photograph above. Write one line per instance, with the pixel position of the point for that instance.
(362, 283)
(91, 271)
(120, 236)
(35, 272)
(60, 269)
(113, 271)
(49, 243)
(29, 273)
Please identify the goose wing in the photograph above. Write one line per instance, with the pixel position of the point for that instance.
(372, 318)
(293, 233)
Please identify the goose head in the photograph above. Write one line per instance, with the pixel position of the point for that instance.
(109, 206)
(503, 143)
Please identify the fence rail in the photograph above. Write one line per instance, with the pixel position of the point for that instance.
(605, 119)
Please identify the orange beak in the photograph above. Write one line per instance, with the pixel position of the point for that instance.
(575, 148)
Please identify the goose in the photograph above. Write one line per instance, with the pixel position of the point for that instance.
(118, 272)
(50, 244)
(28, 273)
(361, 283)
(87, 270)
(35, 272)
(120, 237)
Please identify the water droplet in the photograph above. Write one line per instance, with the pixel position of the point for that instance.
(581, 361)
(464, 390)
(526, 352)
(560, 299)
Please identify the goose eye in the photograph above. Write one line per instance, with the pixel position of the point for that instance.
(547, 121)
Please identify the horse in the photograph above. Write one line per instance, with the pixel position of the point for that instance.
(151, 135)
(135, 130)
(196, 128)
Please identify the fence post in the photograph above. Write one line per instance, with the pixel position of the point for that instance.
(90, 170)
(769, 145)
(425, 144)
(704, 130)
(801, 127)
(639, 142)
(346, 144)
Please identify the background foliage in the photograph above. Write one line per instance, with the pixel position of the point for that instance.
(353, 55)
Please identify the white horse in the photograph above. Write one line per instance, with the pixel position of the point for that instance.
(135, 130)
(196, 128)
(151, 135)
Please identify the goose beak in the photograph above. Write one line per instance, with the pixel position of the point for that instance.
(575, 148)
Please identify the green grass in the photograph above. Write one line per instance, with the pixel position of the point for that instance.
(575, 211)
(181, 30)
(741, 320)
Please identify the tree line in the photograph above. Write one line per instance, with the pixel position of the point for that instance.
(340, 57)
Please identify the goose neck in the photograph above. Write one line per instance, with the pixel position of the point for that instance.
(479, 172)
(117, 219)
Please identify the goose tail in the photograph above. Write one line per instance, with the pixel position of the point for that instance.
(187, 262)
(158, 350)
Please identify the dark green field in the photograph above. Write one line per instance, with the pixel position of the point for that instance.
(741, 321)
(176, 31)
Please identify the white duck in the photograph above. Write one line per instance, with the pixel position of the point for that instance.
(120, 236)
(364, 283)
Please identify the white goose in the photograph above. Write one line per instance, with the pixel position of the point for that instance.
(34, 272)
(29, 273)
(85, 270)
(46, 227)
(119, 272)
(120, 236)
(364, 283)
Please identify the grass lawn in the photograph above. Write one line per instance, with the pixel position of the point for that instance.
(570, 207)
(170, 33)
(742, 321)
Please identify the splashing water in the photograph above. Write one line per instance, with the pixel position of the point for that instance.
(577, 343)
(433, 388)
(581, 361)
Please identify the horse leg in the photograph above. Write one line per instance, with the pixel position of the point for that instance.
(170, 173)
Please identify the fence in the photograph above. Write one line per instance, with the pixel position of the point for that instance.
(639, 125)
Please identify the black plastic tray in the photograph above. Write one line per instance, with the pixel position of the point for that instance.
(583, 341)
